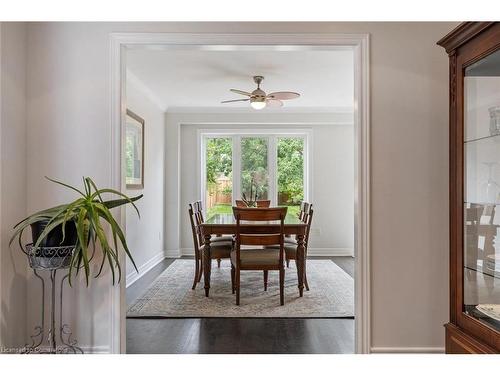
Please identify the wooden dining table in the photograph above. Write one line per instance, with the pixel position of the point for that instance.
(225, 224)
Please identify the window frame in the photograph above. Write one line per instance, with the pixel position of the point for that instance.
(272, 136)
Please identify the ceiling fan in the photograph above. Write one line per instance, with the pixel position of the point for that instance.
(259, 99)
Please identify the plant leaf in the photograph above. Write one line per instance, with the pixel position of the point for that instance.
(90, 182)
(114, 225)
(86, 187)
(47, 229)
(49, 212)
(107, 250)
(112, 191)
(119, 202)
(66, 185)
(82, 231)
(70, 215)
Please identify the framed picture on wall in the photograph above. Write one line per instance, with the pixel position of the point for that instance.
(134, 151)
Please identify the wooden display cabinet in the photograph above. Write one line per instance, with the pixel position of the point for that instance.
(474, 54)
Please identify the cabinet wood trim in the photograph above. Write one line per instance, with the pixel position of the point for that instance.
(461, 34)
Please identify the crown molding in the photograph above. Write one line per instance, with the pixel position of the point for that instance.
(461, 34)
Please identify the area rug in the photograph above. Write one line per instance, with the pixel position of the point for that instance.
(331, 294)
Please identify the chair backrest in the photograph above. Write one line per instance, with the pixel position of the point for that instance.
(488, 212)
(305, 215)
(260, 203)
(305, 208)
(198, 219)
(308, 229)
(250, 235)
(198, 211)
(473, 214)
(263, 204)
(194, 228)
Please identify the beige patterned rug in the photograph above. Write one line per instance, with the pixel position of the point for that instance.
(171, 296)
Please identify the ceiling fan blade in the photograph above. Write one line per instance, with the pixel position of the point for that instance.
(241, 92)
(274, 103)
(236, 100)
(283, 95)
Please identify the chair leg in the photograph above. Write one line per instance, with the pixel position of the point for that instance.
(282, 286)
(266, 273)
(306, 284)
(237, 275)
(201, 269)
(232, 278)
(196, 274)
(218, 263)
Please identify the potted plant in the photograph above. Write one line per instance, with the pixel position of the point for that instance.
(78, 227)
(251, 200)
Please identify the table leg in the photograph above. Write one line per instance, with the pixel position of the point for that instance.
(207, 264)
(301, 259)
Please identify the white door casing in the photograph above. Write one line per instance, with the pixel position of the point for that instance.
(360, 45)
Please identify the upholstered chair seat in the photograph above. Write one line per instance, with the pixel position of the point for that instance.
(221, 239)
(220, 249)
(260, 257)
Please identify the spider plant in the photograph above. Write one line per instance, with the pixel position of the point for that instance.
(252, 200)
(90, 213)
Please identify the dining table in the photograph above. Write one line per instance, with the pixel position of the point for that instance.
(225, 224)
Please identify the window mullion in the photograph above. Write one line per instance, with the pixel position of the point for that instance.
(236, 168)
(203, 174)
(273, 170)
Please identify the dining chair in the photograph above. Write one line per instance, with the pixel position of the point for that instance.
(304, 208)
(218, 249)
(257, 258)
(260, 203)
(480, 233)
(305, 215)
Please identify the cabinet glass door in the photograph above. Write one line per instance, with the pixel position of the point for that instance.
(481, 257)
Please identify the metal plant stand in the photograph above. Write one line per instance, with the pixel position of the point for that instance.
(51, 259)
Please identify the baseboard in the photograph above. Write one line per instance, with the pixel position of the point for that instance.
(330, 252)
(96, 349)
(175, 253)
(188, 251)
(407, 350)
(314, 251)
(133, 276)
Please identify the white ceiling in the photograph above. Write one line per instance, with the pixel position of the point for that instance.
(202, 78)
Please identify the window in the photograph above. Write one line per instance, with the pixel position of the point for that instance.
(268, 165)
(290, 171)
(218, 175)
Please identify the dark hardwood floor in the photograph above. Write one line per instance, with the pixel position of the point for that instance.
(234, 335)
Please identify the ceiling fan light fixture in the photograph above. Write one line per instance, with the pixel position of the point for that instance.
(258, 103)
(259, 99)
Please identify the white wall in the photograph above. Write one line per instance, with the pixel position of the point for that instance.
(332, 171)
(13, 263)
(68, 112)
(145, 234)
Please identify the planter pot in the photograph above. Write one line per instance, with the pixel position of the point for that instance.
(53, 253)
(55, 236)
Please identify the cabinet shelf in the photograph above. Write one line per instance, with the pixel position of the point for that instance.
(495, 136)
